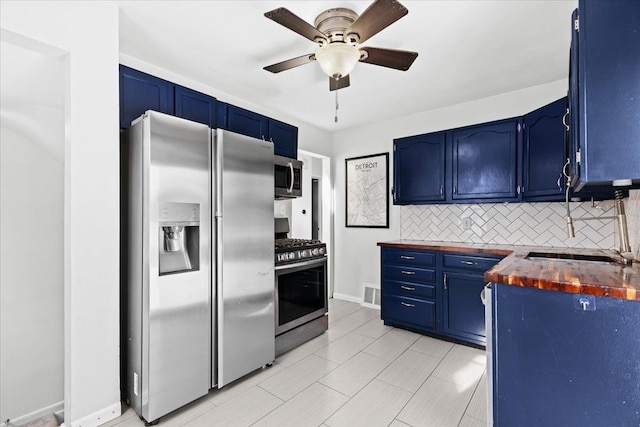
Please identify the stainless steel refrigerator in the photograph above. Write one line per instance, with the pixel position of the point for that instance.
(198, 291)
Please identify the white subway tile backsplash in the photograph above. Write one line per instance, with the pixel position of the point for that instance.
(535, 224)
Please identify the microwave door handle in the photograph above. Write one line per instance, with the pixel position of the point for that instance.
(290, 190)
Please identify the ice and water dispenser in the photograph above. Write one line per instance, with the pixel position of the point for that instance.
(178, 237)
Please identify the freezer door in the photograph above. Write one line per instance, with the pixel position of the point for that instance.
(175, 306)
(245, 254)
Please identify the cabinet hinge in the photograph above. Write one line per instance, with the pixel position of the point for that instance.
(578, 156)
(394, 147)
(576, 24)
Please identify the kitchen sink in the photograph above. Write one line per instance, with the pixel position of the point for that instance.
(552, 256)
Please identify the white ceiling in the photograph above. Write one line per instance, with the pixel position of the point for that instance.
(467, 50)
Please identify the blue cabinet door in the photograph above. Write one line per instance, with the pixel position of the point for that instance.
(609, 93)
(247, 122)
(140, 92)
(557, 364)
(418, 169)
(195, 106)
(463, 309)
(573, 137)
(284, 137)
(484, 161)
(544, 152)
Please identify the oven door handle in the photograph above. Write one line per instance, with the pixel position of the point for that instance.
(312, 262)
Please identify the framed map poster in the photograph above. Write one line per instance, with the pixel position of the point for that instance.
(367, 191)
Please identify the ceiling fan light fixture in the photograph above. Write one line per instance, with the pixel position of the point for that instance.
(337, 59)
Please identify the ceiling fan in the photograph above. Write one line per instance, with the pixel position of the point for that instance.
(339, 32)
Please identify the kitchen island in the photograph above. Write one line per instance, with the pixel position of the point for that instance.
(565, 341)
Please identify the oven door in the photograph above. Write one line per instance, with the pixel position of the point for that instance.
(301, 293)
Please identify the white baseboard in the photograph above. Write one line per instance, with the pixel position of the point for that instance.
(56, 407)
(97, 418)
(374, 306)
(347, 298)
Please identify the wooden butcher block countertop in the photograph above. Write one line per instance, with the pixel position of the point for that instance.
(577, 276)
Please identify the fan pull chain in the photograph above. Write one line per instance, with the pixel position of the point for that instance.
(337, 106)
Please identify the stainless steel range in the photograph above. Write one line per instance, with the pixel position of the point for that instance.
(301, 289)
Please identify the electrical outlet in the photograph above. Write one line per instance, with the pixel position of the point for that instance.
(466, 223)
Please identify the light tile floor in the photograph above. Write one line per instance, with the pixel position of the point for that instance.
(359, 373)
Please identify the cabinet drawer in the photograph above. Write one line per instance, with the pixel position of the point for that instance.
(408, 257)
(409, 311)
(410, 274)
(409, 289)
(482, 263)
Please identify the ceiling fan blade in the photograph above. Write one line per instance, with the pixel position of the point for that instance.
(378, 16)
(291, 63)
(390, 58)
(342, 82)
(293, 22)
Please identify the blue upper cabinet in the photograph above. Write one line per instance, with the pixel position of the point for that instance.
(140, 92)
(484, 161)
(247, 122)
(195, 106)
(284, 137)
(608, 56)
(544, 152)
(419, 169)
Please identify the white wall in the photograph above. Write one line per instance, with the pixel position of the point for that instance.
(301, 206)
(31, 270)
(88, 32)
(357, 258)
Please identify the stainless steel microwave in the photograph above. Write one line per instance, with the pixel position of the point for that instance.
(288, 177)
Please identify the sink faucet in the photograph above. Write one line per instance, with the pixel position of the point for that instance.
(620, 217)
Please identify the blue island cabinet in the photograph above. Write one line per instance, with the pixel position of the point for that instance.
(564, 359)
(418, 168)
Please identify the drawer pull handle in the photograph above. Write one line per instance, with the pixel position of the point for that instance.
(410, 273)
(407, 288)
(406, 257)
(469, 262)
(406, 304)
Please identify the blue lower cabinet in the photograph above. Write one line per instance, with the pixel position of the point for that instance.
(410, 289)
(564, 359)
(411, 312)
(463, 310)
(410, 273)
(434, 292)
